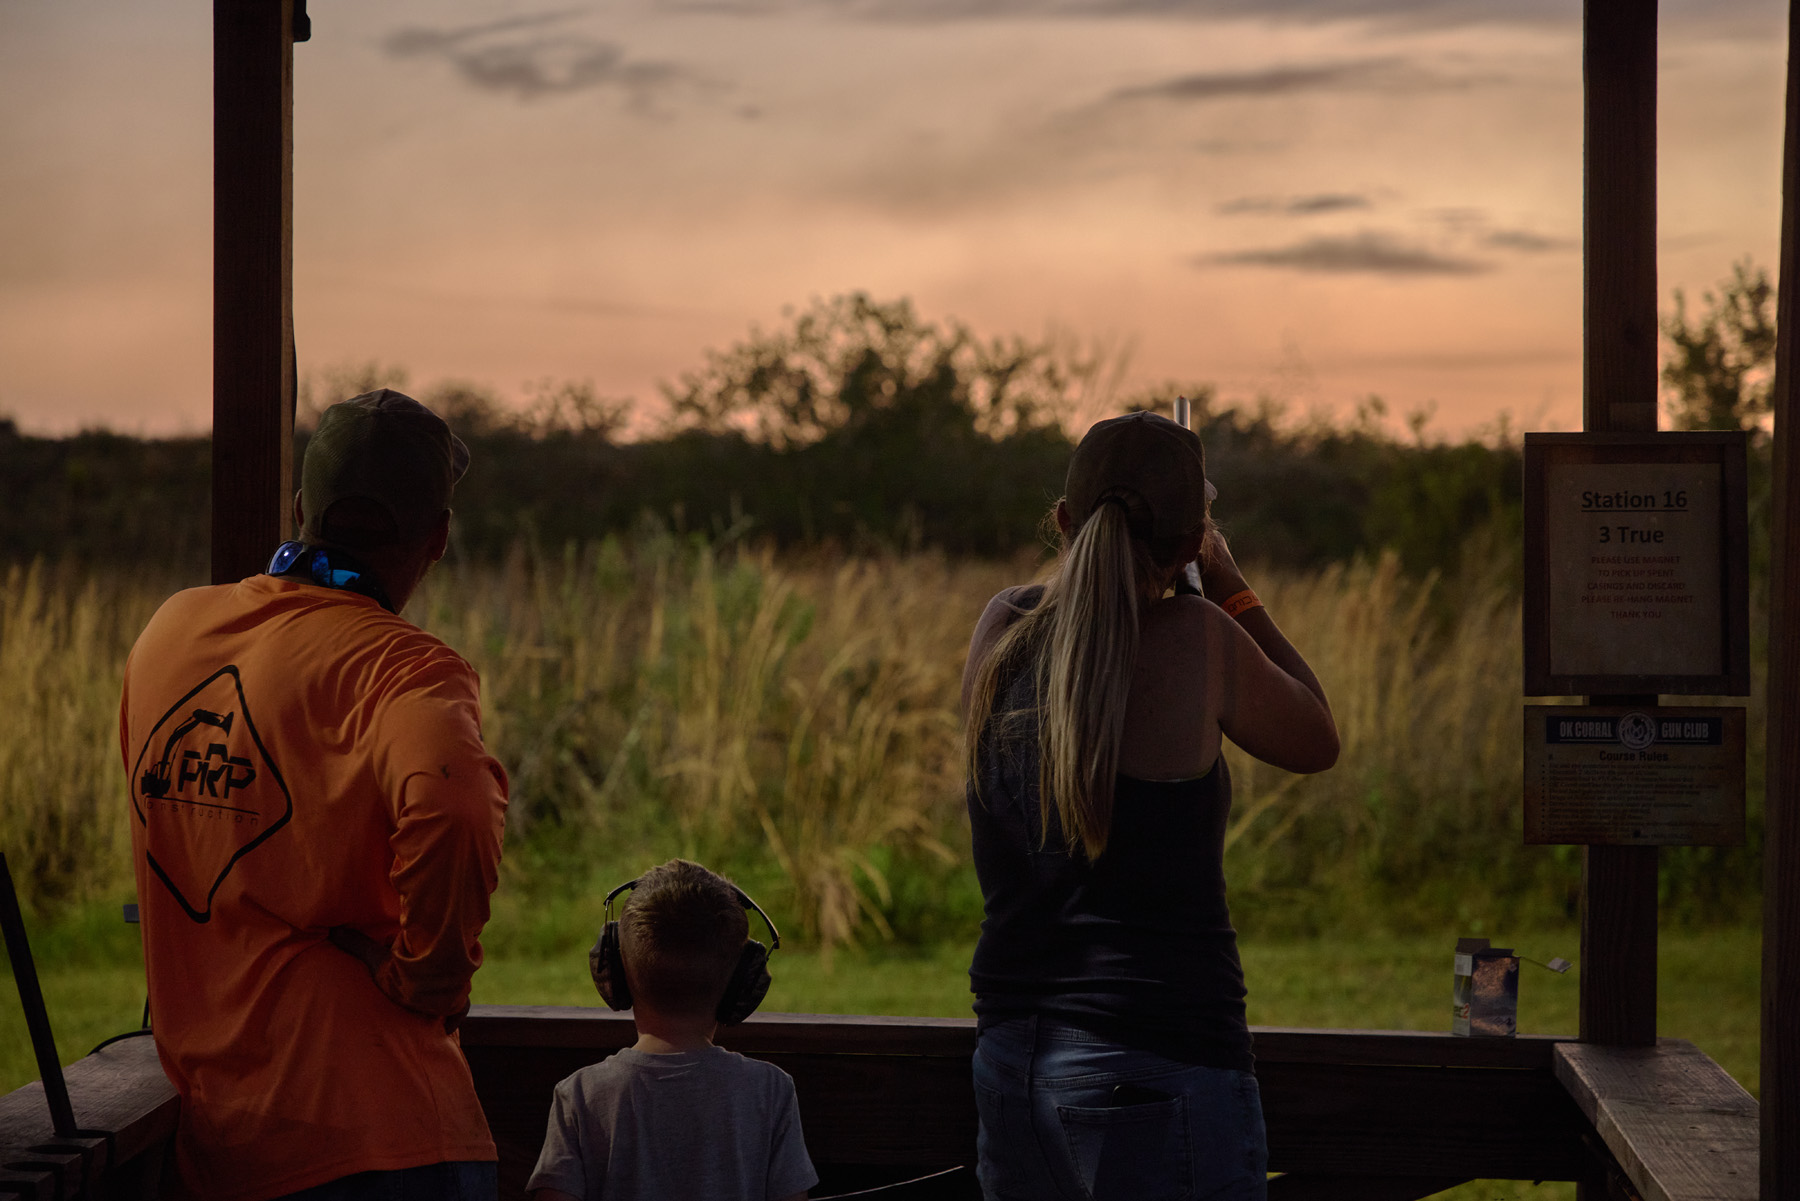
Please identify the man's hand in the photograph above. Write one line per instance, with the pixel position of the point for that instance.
(352, 941)
(373, 954)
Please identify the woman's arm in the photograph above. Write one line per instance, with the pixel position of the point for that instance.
(1000, 613)
(1274, 706)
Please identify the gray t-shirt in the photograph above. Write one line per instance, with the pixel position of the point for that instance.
(704, 1124)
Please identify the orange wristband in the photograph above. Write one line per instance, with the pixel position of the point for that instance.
(1241, 602)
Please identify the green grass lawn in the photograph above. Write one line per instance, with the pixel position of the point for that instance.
(1708, 993)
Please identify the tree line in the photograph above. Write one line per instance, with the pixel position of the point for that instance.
(861, 425)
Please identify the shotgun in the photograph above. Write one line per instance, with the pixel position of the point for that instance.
(1188, 582)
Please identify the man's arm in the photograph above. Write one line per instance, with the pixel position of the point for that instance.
(446, 864)
(447, 797)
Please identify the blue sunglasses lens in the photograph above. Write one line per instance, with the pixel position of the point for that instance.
(284, 557)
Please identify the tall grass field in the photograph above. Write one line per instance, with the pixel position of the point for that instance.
(793, 722)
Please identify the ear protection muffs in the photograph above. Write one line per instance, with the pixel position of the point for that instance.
(748, 985)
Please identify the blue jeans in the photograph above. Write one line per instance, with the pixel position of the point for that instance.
(462, 1180)
(1069, 1114)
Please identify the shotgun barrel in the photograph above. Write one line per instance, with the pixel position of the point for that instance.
(1188, 581)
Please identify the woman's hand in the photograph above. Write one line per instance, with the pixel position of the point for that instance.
(1219, 574)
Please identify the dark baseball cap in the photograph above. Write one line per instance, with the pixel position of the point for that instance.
(1155, 466)
(385, 447)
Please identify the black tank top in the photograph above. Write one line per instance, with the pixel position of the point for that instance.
(1136, 946)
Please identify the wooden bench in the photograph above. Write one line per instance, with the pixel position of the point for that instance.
(1679, 1126)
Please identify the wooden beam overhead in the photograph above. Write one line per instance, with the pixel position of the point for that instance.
(253, 327)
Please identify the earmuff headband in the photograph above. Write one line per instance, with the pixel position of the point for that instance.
(744, 990)
(743, 897)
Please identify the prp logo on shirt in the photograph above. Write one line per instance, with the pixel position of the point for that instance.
(206, 791)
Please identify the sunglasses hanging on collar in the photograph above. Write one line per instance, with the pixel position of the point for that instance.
(330, 569)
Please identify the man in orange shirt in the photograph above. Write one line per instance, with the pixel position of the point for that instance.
(316, 831)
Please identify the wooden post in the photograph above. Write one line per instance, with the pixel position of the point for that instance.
(253, 331)
(1618, 886)
(1619, 226)
(1781, 814)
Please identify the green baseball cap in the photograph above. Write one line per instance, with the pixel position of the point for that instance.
(386, 447)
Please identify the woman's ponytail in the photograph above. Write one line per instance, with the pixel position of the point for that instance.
(1084, 677)
(1081, 641)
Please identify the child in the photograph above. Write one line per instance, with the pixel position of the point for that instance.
(674, 1116)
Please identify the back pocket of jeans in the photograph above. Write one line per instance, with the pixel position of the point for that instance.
(1131, 1151)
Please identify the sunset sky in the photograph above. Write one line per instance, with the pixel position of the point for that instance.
(1312, 200)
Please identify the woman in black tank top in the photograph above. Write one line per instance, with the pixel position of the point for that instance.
(1113, 1057)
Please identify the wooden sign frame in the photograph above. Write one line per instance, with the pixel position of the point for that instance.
(1726, 449)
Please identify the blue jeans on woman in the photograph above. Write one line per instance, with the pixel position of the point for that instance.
(1066, 1113)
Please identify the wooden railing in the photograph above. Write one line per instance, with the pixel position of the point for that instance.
(125, 1109)
(1351, 1114)
(895, 1092)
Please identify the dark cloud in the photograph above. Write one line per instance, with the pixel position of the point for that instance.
(1294, 206)
(1269, 81)
(406, 42)
(1525, 241)
(1447, 11)
(1372, 74)
(1363, 75)
(1369, 252)
(1328, 202)
(1408, 12)
(1737, 18)
(530, 58)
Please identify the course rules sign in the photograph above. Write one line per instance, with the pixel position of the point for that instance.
(1635, 564)
(1634, 776)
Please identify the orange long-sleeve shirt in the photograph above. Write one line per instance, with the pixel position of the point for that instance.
(299, 759)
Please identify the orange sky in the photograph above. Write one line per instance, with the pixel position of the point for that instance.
(1313, 200)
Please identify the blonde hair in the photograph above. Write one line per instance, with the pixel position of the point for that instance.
(1081, 643)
